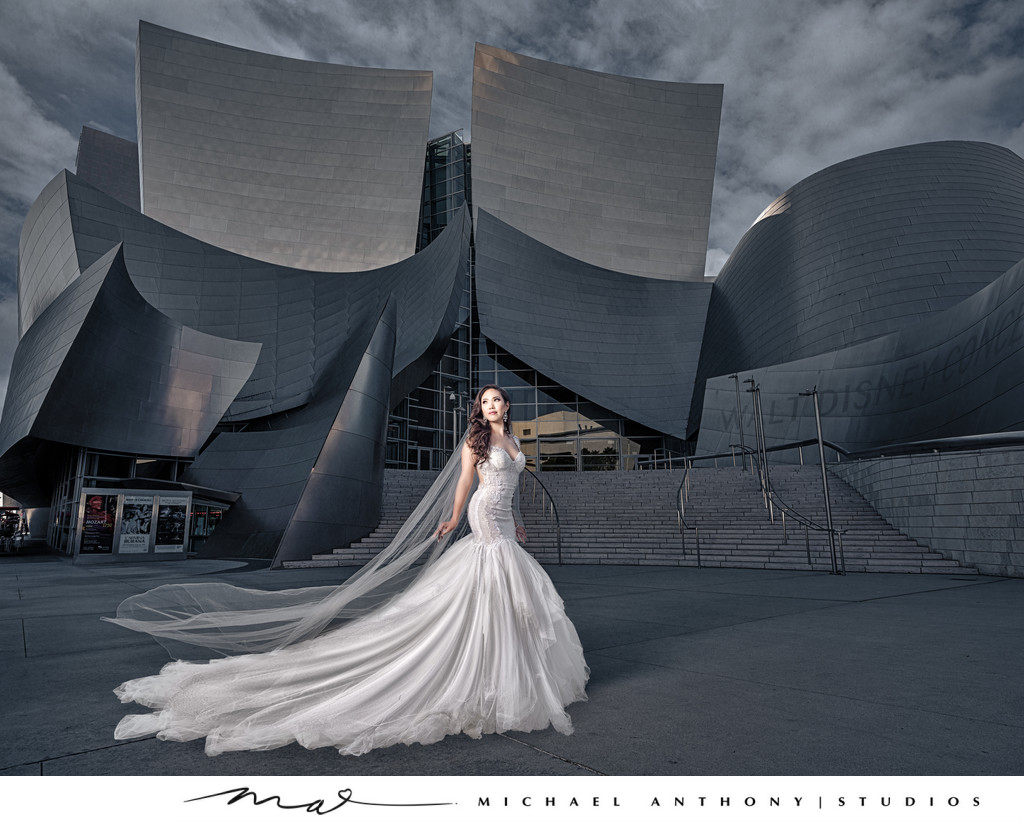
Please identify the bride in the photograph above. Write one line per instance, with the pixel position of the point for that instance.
(475, 640)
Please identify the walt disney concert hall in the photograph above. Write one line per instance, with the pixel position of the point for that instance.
(233, 328)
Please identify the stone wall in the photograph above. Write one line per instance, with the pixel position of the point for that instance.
(966, 505)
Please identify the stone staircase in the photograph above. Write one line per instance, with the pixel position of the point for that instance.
(629, 518)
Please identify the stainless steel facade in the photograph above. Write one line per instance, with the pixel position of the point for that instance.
(297, 427)
(305, 164)
(110, 164)
(614, 171)
(153, 385)
(958, 373)
(863, 249)
(47, 253)
(629, 345)
(273, 384)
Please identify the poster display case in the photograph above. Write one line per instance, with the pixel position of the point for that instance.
(121, 525)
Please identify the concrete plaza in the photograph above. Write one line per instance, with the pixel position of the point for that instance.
(694, 672)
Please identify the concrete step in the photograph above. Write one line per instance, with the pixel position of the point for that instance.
(620, 517)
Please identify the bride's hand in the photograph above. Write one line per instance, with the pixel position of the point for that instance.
(445, 527)
(520, 533)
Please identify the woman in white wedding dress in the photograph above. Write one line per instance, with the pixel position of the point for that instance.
(478, 643)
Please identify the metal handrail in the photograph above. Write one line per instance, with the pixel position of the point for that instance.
(683, 496)
(771, 498)
(681, 516)
(551, 501)
(774, 500)
(650, 461)
(951, 443)
(809, 524)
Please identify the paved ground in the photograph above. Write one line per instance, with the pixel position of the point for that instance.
(695, 672)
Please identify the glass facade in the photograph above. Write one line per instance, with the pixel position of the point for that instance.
(559, 430)
(101, 478)
(446, 185)
(424, 429)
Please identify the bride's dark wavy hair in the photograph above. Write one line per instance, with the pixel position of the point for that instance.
(479, 438)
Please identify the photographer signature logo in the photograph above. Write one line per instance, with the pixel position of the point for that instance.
(315, 807)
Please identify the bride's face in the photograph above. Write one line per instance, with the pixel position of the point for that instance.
(493, 405)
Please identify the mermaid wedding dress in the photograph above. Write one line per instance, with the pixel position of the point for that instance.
(479, 643)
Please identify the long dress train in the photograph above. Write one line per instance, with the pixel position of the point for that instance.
(479, 644)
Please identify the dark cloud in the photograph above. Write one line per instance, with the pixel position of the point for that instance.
(807, 83)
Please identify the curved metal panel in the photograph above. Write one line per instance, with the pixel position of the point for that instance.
(301, 318)
(102, 369)
(863, 249)
(300, 401)
(614, 171)
(299, 163)
(324, 453)
(110, 164)
(350, 465)
(958, 373)
(47, 255)
(628, 344)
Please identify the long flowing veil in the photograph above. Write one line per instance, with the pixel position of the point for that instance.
(196, 619)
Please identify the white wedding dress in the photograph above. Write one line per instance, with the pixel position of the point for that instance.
(479, 644)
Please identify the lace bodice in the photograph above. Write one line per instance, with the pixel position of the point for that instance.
(490, 509)
(501, 470)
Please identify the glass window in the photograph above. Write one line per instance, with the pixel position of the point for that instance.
(547, 406)
(557, 456)
(559, 423)
(205, 518)
(509, 380)
(155, 469)
(199, 515)
(599, 455)
(112, 467)
(522, 401)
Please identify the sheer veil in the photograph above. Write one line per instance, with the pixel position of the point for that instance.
(193, 620)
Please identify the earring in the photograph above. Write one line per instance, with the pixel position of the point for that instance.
(506, 417)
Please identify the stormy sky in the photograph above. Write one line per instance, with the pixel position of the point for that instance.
(807, 83)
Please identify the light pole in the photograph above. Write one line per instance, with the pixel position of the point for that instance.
(455, 417)
(759, 443)
(739, 421)
(444, 418)
(813, 393)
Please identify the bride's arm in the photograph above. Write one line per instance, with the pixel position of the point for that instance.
(461, 491)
